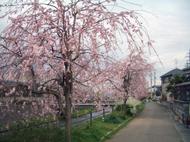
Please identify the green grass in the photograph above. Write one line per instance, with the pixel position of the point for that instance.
(48, 134)
(94, 133)
(81, 112)
(81, 133)
(140, 107)
(99, 131)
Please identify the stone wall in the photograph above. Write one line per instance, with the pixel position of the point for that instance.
(18, 108)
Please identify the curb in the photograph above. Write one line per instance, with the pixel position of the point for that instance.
(120, 126)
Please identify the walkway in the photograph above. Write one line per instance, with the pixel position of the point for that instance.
(152, 125)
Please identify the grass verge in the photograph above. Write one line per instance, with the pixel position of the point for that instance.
(100, 130)
(81, 112)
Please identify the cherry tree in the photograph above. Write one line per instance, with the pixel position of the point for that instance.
(127, 77)
(135, 74)
(59, 44)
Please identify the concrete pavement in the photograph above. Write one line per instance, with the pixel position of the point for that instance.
(152, 125)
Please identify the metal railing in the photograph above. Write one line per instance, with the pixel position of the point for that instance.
(60, 123)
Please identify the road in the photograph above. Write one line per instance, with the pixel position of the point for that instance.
(152, 125)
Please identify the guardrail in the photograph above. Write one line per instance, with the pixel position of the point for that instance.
(75, 121)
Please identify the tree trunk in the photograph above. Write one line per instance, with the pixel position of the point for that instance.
(68, 86)
(125, 102)
(68, 121)
(61, 105)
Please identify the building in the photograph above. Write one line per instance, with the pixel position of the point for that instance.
(186, 73)
(155, 92)
(165, 82)
(183, 91)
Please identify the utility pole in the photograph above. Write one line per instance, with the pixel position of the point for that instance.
(154, 78)
(151, 84)
(188, 60)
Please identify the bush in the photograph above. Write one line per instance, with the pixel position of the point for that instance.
(115, 117)
(140, 107)
(112, 119)
(124, 108)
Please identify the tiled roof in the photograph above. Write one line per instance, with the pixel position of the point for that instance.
(173, 72)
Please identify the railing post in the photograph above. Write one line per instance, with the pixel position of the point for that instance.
(103, 114)
(112, 108)
(77, 113)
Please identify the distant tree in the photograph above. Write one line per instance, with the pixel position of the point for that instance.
(173, 82)
(134, 80)
(126, 77)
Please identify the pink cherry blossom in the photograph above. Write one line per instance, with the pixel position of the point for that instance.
(66, 47)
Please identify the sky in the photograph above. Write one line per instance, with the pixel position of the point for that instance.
(168, 24)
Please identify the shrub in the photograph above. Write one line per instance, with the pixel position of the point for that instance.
(140, 107)
(125, 108)
(115, 117)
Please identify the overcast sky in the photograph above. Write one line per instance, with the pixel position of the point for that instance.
(168, 23)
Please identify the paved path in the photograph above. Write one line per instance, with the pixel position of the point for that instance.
(152, 125)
